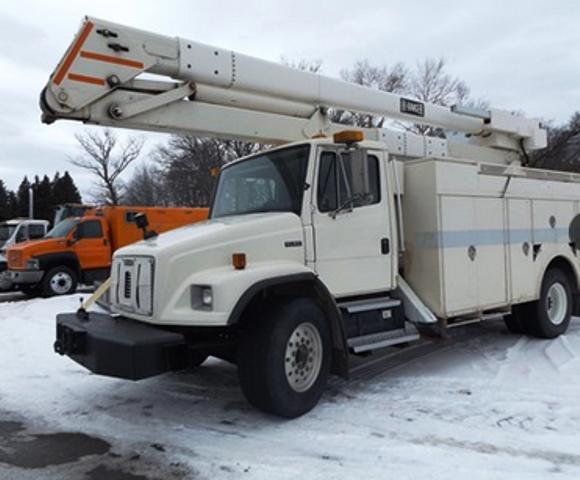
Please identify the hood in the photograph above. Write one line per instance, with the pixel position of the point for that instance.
(209, 234)
(31, 248)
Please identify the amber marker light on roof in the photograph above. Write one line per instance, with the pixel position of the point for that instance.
(348, 136)
(239, 261)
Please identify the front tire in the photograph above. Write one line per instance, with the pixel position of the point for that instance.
(551, 314)
(59, 281)
(284, 359)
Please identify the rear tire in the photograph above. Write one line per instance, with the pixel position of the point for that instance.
(551, 314)
(284, 358)
(59, 281)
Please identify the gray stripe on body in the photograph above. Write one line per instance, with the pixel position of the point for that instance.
(465, 238)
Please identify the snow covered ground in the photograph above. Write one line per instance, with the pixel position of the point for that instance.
(488, 407)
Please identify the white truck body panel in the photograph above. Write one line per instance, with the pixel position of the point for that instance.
(452, 209)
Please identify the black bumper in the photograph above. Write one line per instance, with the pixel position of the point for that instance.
(119, 347)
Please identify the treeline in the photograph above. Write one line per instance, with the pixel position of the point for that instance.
(48, 194)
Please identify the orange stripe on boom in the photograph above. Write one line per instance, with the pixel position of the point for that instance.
(75, 77)
(72, 54)
(108, 59)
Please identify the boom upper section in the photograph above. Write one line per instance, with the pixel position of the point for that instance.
(223, 93)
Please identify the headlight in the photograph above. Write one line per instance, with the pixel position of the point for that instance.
(207, 297)
(32, 264)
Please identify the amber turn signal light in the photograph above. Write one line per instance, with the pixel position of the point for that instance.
(348, 136)
(239, 261)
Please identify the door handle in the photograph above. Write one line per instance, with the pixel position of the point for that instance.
(385, 246)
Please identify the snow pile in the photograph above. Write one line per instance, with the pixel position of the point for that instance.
(492, 406)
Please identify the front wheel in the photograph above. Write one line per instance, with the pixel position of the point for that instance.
(59, 281)
(284, 359)
(551, 314)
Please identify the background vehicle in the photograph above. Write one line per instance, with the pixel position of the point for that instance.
(79, 249)
(338, 243)
(15, 231)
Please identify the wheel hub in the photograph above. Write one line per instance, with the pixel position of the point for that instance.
(61, 283)
(303, 357)
(556, 303)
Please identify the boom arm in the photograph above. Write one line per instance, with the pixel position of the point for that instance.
(226, 94)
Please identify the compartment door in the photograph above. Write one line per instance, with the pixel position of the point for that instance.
(490, 256)
(457, 234)
(521, 258)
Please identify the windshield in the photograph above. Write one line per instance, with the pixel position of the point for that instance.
(6, 232)
(62, 229)
(272, 182)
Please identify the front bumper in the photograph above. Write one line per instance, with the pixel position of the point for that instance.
(119, 347)
(22, 277)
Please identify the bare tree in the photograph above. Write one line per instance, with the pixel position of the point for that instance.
(106, 159)
(311, 66)
(382, 78)
(146, 188)
(563, 150)
(431, 83)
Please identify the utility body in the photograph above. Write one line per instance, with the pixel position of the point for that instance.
(335, 242)
(80, 249)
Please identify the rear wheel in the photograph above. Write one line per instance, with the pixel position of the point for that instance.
(284, 360)
(59, 281)
(552, 312)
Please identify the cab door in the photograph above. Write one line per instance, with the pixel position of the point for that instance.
(92, 245)
(351, 220)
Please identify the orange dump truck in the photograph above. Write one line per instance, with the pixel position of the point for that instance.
(79, 249)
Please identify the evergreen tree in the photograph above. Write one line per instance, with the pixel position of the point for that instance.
(12, 204)
(4, 206)
(22, 198)
(66, 190)
(43, 202)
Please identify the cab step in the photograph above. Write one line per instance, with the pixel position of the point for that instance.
(365, 343)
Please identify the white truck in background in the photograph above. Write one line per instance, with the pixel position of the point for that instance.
(15, 231)
(336, 242)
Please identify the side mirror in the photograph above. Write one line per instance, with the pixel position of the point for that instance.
(142, 223)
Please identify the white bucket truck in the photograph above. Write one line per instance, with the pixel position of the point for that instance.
(336, 242)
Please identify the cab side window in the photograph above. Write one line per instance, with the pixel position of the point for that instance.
(35, 231)
(90, 229)
(350, 179)
(22, 234)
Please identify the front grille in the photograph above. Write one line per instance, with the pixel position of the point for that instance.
(15, 259)
(127, 290)
(132, 284)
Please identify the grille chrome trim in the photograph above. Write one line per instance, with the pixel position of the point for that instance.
(132, 284)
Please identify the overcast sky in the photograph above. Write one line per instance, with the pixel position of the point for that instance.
(522, 55)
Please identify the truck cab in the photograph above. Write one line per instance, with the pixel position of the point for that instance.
(76, 249)
(13, 232)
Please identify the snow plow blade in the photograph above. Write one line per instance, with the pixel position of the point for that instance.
(118, 347)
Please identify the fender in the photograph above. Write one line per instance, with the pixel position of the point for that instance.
(310, 284)
(51, 260)
(567, 264)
